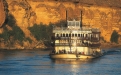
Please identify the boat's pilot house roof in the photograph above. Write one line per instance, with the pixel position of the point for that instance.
(73, 24)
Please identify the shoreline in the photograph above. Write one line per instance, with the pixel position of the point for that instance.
(110, 46)
(103, 46)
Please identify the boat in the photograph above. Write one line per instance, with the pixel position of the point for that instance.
(75, 41)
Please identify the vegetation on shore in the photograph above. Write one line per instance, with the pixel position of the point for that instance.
(12, 34)
(42, 32)
(114, 37)
(114, 41)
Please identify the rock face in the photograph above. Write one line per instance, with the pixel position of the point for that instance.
(2, 13)
(103, 14)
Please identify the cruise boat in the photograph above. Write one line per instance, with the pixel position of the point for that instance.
(75, 41)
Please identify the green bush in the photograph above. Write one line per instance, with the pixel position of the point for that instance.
(38, 31)
(41, 31)
(114, 37)
(15, 32)
(5, 35)
(18, 33)
(11, 21)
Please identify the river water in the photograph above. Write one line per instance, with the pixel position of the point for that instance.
(37, 62)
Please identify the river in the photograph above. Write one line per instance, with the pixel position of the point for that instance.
(37, 62)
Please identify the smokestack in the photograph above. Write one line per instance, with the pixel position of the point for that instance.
(66, 18)
(81, 20)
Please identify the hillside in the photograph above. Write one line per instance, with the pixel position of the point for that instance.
(2, 13)
(103, 14)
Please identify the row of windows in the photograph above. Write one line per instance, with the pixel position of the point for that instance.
(72, 41)
(77, 35)
(73, 23)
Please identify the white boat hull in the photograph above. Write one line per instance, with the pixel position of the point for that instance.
(72, 56)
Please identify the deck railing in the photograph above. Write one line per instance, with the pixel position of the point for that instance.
(81, 29)
(92, 39)
(79, 44)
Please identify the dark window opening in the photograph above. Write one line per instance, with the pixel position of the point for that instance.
(75, 35)
(69, 35)
(63, 35)
(72, 35)
(78, 35)
(66, 35)
(57, 35)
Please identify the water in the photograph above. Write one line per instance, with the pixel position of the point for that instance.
(37, 62)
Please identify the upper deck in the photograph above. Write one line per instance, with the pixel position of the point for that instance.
(73, 30)
(75, 27)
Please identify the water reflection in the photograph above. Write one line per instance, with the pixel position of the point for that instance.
(73, 66)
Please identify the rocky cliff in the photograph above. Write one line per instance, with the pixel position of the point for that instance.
(103, 14)
(2, 13)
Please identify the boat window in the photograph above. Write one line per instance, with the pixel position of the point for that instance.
(77, 23)
(75, 35)
(73, 23)
(78, 35)
(91, 35)
(57, 35)
(69, 23)
(63, 35)
(66, 35)
(81, 35)
(69, 35)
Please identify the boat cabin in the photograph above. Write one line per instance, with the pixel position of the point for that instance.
(76, 39)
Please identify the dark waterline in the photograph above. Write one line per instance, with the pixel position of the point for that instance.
(37, 62)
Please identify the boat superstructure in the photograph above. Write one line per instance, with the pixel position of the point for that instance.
(75, 41)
